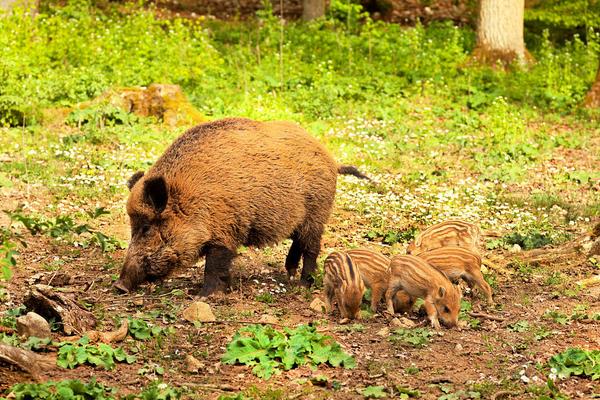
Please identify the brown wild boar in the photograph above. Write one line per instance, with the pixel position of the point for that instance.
(458, 262)
(373, 267)
(420, 280)
(453, 232)
(224, 184)
(342, 281)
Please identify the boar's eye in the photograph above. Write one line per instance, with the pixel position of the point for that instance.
(446, 309)
(145, 229)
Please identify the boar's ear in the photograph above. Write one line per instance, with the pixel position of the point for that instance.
(441, 291)
(156, 193)
(134, 178)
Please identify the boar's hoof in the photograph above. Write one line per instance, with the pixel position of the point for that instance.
(213, 287)
(120, 286)
(307, 282)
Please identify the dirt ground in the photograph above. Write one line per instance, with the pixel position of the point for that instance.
(490, 359)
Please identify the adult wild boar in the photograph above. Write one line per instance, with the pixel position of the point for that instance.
(224, 184)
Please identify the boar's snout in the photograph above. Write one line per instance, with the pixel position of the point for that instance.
(120, 286)
(132, 274)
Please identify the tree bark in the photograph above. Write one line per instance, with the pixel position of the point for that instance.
(592, 99)
(311, 9)
(500, 32)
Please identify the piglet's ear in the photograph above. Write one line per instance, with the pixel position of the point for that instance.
(156, 193)
(134, 178)
(442, 291)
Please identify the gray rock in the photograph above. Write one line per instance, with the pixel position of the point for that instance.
(33, 324)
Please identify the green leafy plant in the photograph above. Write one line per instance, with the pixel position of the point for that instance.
(270, 351)
(407, 393)
(266, 298)
(63, 390)
(151, 370)
(373, 392)
(556, 316)
(9, 317)
(142, 330)
(520, 326)
(7, 259)
(102, 355)
(416, 337)
(575, 361)
(542, 333)
(156, 391)
(74, 389)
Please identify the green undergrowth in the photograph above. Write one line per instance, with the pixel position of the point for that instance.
(63, 227)
(78, 390)
(70, 355)
(270, 351)
(576, 362)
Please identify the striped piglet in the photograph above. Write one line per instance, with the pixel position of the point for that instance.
(453, 232)
(458, 262)
(343, 282)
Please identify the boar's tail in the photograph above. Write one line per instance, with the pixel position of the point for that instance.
(351, 170)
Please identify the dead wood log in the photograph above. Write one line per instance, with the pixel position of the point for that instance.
(51, 304)
(35, 364)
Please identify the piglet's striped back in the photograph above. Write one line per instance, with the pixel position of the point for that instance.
(453, 232)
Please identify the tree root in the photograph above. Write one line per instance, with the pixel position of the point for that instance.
(27, 360)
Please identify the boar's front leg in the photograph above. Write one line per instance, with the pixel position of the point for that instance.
(216, 270)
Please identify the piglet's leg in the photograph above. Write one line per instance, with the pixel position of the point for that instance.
(216, 270)
(476, 279)
(389, 296)
(431, 313)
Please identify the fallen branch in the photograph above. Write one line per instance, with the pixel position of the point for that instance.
(27, 360)
(486, 316)
(104, 337)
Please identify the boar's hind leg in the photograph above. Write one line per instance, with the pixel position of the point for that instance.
(216, 270)
(293, 258)
(312, 246)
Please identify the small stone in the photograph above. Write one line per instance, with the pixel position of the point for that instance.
(269, 319)
(199, 311)
(33, 324)
(383, 332)
(402, 322)
(192, 364)
(458, 347)
(318, 305)
(515, 248)
(138, 302)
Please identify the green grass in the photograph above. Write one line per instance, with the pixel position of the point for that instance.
(440, 137)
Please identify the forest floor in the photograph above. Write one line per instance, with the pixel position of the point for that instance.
(540, 311)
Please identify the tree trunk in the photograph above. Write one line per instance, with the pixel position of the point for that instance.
(31, 6)
(500, 32)
(311, 9)
(592, 99)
